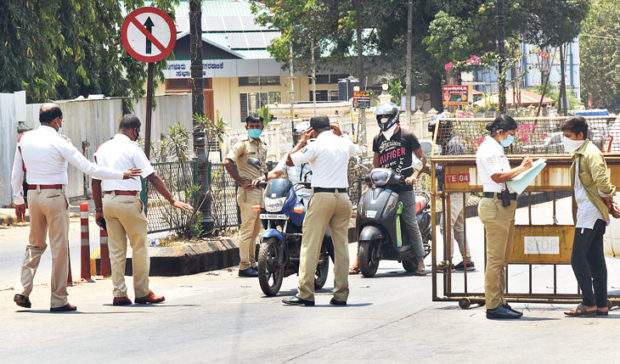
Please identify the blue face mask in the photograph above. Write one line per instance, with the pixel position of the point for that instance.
(254, 133)
(506, 142)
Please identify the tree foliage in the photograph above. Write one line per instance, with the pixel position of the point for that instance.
(329, 23)
(67, 48)
(600, 54)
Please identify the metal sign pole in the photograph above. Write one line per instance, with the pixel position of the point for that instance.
(149, 107)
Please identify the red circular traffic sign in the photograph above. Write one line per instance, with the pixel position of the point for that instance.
(148, 34)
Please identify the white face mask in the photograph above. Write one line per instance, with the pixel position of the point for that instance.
(571, 145)
(390, 132)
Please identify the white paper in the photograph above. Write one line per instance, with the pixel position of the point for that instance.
(520, 182)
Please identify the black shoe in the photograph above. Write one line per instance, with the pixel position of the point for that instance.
(22, 300)
(501, 312)
(461, 266)
(65, 308)
(512, 309)
(249, 272)
(297, 301)
(335, 302)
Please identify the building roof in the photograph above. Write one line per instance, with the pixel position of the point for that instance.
(229, 24)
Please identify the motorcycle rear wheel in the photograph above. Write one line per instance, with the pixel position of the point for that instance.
(270, 274)
(369, 260)
(410, 265)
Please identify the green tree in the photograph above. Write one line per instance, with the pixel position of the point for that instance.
(68, 48)
(553, 23)
(600, 55)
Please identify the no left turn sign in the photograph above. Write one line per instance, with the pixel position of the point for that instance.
(148, 34)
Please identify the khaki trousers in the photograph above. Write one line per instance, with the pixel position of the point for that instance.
(333, 210)
(250, 226)
(499, 223)
(456, 222)
(48, 210)
(124, 218)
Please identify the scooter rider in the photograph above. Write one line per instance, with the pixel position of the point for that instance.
(394, 148)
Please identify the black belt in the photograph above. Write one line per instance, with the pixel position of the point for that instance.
(330, 190)
(513, 196)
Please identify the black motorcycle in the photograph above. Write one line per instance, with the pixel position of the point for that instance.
(378, 224)
(280, 243)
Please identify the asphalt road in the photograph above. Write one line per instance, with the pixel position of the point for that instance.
(218, 317)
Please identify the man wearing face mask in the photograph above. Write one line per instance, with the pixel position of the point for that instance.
(45, 153)
(123, 210)
(248, 195)
(394, 148)
(592, 194)
(497, 211)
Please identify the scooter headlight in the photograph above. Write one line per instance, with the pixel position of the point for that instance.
(274, 204)
(390, 205)
(379, 176)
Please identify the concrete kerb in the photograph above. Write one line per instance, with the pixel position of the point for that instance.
(188, 258)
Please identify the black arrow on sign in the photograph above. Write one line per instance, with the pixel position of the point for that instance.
(148, 24)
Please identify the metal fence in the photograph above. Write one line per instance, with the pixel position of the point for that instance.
(533, 136)
(180, 177)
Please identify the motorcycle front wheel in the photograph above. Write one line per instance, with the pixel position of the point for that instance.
(369, 258)
(270, 273)
(322, 270)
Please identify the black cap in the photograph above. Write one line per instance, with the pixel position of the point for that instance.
(319, 123)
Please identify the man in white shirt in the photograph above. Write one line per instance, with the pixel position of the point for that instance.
(123, 211)
(329, 206)
(44, 153)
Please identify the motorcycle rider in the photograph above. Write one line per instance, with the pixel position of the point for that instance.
(394, 148)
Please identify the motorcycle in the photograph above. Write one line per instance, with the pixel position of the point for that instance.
(378, 224)
(280, 243)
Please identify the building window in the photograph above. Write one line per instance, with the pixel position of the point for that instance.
(259, 81)
(321, 95)
(252, 101)
(184, 85)
(327, 79)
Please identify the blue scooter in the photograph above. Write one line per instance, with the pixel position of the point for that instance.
(280, 243)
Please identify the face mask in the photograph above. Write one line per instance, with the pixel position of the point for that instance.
(137, 136)
(571, 145)
(60, 130)
(390, 132)
(254, 133)
(506, 142)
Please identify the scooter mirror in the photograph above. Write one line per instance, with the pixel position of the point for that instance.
(254, 162)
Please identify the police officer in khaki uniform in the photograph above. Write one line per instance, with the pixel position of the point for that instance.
(244, 173)
(44, 154)
(329, 207)
(123, 210)
(497, 211)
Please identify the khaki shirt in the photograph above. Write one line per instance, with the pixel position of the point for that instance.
(246, 148)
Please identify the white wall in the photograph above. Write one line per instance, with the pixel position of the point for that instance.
(12, 110)
(94, 121)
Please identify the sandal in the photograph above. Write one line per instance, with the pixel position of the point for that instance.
(420, 272)
(602, 313)
(354, 270)
(580, 310)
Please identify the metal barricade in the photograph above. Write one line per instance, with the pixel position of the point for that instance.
(536, 243)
